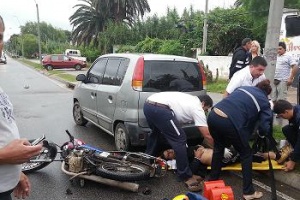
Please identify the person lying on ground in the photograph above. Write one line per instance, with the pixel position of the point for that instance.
(200, 158)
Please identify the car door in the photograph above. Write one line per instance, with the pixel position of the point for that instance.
(67, 62)
(107, 91)
(56, 61)
(88, 91)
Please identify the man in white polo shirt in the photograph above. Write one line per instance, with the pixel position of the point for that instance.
(248, 76)
(286, 69)
(165, 113)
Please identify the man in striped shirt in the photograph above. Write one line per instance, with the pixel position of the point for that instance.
(286, 69)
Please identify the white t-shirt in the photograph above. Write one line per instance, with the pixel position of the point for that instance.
(283, 67)
(9, 174)
(243, 77)
(187, 108)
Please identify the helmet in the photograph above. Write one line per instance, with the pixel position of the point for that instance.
(181, 197)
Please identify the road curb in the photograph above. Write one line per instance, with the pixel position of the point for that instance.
(289, 178)
(67, 83)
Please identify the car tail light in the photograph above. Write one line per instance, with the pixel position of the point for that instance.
(203, 76)
(138, 75)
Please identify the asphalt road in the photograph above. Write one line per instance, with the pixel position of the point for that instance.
(45, 107)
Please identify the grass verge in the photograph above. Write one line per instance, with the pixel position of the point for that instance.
(217, 87)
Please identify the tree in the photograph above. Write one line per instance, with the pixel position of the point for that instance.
(93, 16)
(258, 11)
(226, 29)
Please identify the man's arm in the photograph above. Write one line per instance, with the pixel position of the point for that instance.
(18, 151)
(293, 74)
(226, 94)
(235, 82)
(208, 140)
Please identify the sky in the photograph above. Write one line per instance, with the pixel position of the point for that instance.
(57, 12)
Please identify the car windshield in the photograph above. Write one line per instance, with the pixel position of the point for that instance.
(164, 75)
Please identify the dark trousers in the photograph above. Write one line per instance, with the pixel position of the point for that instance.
(6, 195)
(164, 124)
(293, 138)
(225, 134)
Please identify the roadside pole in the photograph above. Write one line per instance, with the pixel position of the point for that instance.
(204, 42)
(272, 37)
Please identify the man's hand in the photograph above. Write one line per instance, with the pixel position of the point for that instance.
(23, 188)
(199, 152)
(227, 153)
(289, 81)
(18, 151)
(289, 166)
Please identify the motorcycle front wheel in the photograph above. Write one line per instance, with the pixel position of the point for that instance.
(123, 171)
(46, 156)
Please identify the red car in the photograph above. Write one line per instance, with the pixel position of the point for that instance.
(60, 61)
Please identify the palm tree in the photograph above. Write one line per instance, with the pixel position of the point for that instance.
(92, 17)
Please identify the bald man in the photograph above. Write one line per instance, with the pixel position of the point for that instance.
(13, 150)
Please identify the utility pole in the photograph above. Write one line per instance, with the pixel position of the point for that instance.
(22, 38)
(39, 31)
(205, 29)
(272, 37)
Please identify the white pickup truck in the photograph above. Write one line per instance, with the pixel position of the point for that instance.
(74, 53)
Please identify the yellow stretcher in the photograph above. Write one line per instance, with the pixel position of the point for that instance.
(255, 166)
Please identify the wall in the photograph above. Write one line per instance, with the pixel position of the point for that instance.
(217, 62)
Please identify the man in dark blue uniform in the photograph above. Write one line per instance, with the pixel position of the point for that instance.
(232, 121)
(241, 57)
(291, 131)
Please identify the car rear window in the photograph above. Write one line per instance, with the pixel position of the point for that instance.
(164, 75)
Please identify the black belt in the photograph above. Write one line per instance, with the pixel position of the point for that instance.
(158, 104)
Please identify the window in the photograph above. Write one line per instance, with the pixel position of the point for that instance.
(115, 71)
(121, 71)
(171, 76)
(54, 58)
(95, 75)
(66, 58)
(292, 25)
(111, 71)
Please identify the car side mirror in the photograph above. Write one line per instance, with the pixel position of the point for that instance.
(70, 59)
(80, 77)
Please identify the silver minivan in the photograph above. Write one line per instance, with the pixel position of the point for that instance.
(112, 93)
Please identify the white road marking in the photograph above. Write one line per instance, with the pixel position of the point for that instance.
(267, 188)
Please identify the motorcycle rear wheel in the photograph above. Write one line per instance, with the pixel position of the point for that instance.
(123, 171)
(48, 152)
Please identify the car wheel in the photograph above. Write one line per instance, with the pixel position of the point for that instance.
(78, 116)
(122, 141)
(49, 67)
(77, 67)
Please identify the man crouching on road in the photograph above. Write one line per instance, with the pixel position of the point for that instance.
(291, 152)
(165, 112)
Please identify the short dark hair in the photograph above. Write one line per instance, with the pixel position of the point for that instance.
(245, 41)
(282, 44)
(206, 99)
(265, 86)
(259, 60)
(281, 106)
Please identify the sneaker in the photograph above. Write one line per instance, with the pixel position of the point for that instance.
(285, 152)
(255, 195)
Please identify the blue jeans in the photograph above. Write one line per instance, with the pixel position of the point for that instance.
(293, 138)
(225, 134)
(164, 125)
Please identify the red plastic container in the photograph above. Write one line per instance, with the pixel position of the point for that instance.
(208, 185)
(221, 193)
